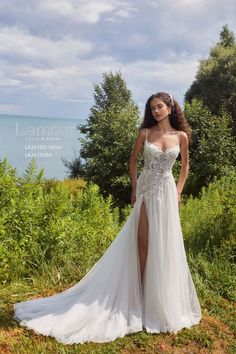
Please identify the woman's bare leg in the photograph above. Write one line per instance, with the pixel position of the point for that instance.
(142, 238)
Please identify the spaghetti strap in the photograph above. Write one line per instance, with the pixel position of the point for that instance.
(179, 137)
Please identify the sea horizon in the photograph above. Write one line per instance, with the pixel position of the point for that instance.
(46, 139)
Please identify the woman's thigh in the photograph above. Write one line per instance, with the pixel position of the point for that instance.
(143, 227)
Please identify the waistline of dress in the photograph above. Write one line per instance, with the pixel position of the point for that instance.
(158, 173)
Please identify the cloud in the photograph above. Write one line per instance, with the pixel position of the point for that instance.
(33, 62)
(54, 12)
(52, 52)
(147, 77)
(19, 44)
(7, 82)
(79, 11)
(57, 68)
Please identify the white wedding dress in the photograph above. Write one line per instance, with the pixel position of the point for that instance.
(110, 302)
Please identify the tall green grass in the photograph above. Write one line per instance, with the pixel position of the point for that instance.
(209, 229)
(51, 227)
(52, 232)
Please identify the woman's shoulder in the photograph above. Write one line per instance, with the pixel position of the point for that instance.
(143, 132)
(182, 133)
(183, 137)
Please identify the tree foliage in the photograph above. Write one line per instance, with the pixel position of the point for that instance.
(212, 149)
(109, 132)
(227, 37)
(215, 82)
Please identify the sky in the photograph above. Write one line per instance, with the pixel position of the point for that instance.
(52, 52)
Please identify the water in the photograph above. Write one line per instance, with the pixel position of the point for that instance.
(48, 140)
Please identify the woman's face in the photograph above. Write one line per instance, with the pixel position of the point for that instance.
(159, 109)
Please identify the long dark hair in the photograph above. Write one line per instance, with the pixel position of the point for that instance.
(177, 118)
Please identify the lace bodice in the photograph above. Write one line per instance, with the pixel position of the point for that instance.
(157, 168)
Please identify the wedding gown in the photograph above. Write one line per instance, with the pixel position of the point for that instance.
(110, 301)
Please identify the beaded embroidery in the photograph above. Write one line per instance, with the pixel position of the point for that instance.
(157, 170)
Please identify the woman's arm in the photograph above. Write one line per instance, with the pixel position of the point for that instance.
(184, 162)
(134, 157)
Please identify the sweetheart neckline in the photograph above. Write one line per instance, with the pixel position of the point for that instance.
(160, 149)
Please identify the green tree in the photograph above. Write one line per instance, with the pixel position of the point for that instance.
(227, 38)
(212, 149)
(215, 82)
(110, 132)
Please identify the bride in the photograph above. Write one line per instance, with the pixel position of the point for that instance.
(142, 281)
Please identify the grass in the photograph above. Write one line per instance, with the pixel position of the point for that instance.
(214, 334)
(209, 229)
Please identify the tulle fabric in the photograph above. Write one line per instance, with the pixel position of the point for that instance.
(110, 301)
(104, 305)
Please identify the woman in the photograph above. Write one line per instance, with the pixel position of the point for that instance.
(165, 121)
(142, 281)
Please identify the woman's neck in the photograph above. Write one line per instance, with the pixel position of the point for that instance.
(163, 127)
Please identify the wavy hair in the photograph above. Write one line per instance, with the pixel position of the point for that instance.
(177, 118)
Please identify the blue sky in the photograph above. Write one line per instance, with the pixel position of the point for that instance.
(53, 51)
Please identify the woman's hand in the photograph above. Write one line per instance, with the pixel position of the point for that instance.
(133, 196)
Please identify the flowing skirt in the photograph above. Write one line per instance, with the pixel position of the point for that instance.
(110, 301)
